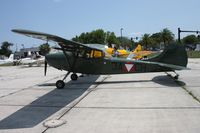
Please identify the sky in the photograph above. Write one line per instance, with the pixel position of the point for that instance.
(68, 18)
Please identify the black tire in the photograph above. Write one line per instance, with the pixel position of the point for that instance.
(60, 84)
(176, 77)
(74, 76)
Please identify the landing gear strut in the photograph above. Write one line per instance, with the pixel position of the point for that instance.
(176, 76)
(60, 84)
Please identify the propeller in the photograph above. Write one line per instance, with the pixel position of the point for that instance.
(45, 62)
(45, 68)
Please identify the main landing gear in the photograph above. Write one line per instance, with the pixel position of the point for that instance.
(60, 84)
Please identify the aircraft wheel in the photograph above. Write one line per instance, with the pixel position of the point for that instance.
(74, 76)
(176, 77)
(60, 84)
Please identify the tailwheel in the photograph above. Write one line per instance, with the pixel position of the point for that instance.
(176, 77)
(60, 84)
(74, 76)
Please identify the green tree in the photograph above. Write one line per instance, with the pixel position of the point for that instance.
(84, 38)
(76, 39)
(156, 39)
(44, 48)
(5, 49)
(190, 39)
(96, 36)
(167, 36)
(111, 38)
(125, 42)
(146, 40)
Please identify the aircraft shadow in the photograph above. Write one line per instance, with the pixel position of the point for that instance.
(119, 82)
(167, 81)
(162, 80)
(105, 82)
(45, 106)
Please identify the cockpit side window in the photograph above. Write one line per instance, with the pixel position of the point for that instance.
(91, 54)
(96, 54)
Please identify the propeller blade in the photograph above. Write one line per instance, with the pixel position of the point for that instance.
(45, 68)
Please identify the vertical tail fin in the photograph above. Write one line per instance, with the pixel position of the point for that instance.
(137, 49)
(11, 57)
(173, 54)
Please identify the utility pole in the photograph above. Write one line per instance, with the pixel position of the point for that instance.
(179, 36)
(16, 47)
(121, 35)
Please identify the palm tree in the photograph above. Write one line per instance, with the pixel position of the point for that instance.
(146, 40)
(5, 48)
(156, 39)
(167, 36)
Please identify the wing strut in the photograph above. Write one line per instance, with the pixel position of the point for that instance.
(75, 54)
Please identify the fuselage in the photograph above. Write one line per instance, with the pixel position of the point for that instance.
(7, 61)
(99, 65)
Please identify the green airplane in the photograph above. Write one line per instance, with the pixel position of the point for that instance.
(92, 59)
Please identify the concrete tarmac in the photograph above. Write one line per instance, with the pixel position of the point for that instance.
(139, 103)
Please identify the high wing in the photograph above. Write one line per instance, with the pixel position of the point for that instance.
(170, 66)
(65, 44)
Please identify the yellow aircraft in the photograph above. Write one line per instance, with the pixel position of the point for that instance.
(137, 53)
(121, 52)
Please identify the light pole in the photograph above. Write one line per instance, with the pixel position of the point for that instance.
(16, 47)
(121, 35)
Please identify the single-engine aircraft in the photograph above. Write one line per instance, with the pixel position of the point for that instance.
(10, 60)
(136, 53)
(30, 61)
(91, 59)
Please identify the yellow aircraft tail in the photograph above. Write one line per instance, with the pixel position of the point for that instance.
(138, 53)
(137, 49)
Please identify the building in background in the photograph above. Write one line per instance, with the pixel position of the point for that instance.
(26, 52)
